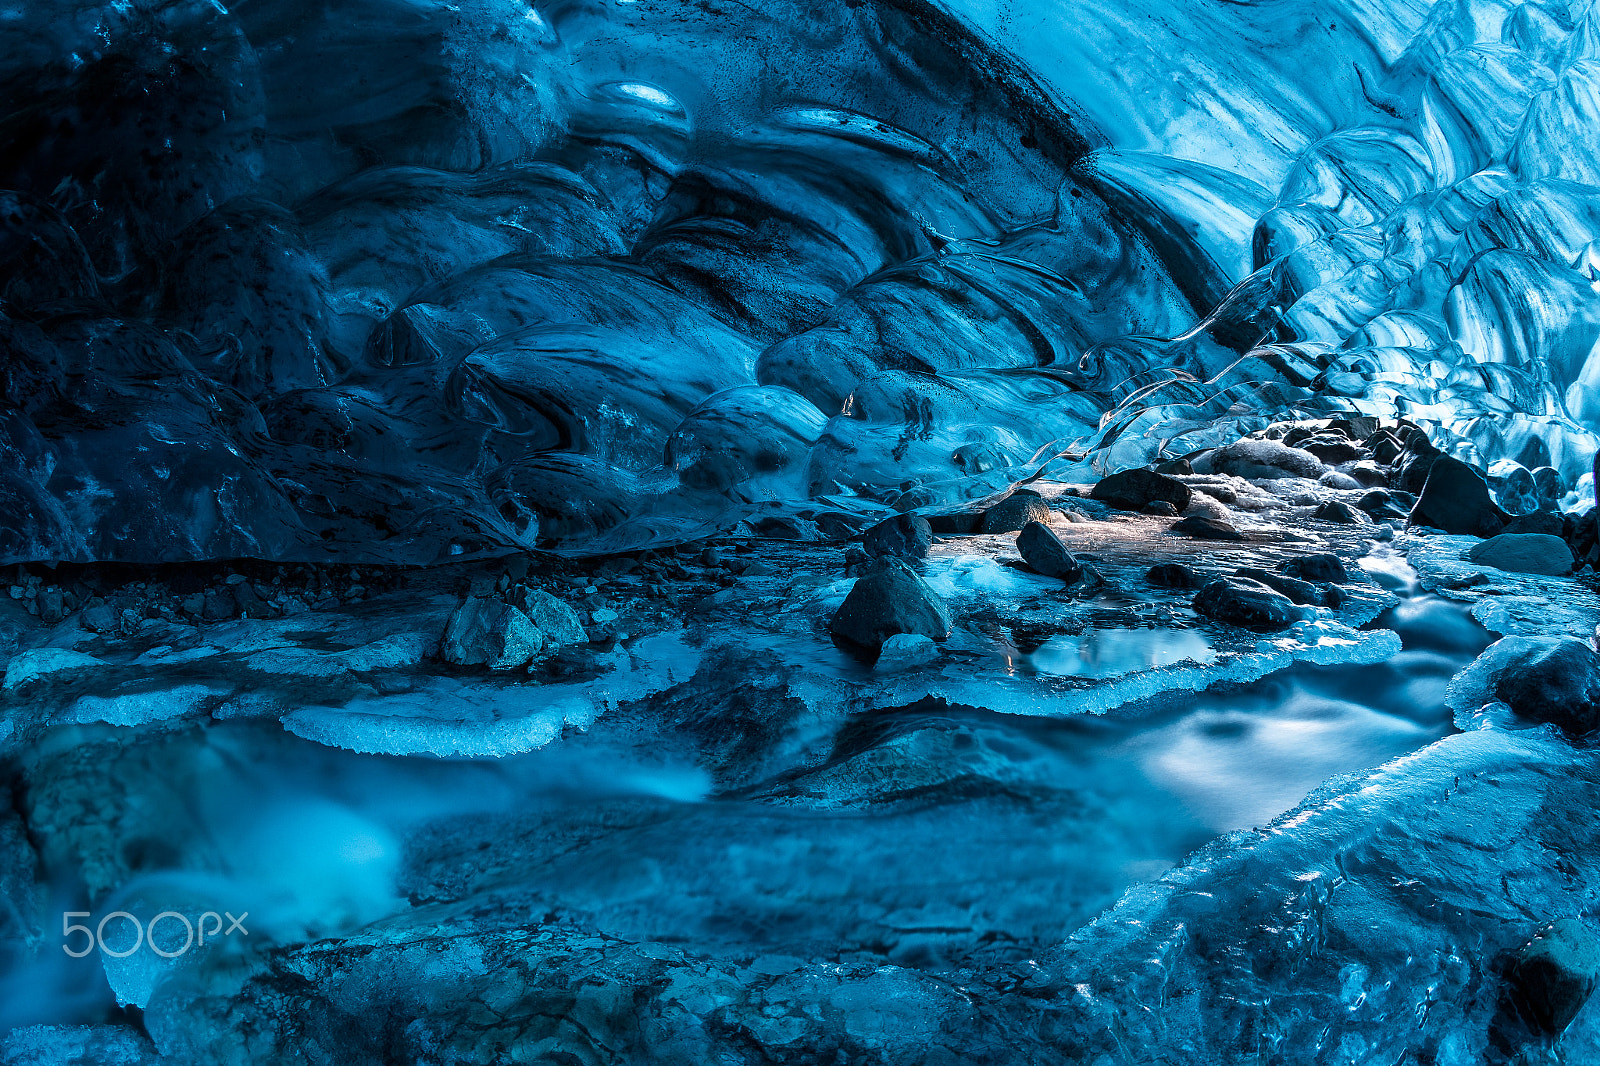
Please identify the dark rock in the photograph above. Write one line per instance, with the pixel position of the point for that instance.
(1173, 576)
(219, 605)
(1544, 679)
(1299, 591)
(52, 606)
(486, 632)
(250, 604)
(193, 605)
(1014, 512)
(1534, 452)
(1319, 567)
(1356, 427)
(1090, 579)
(1367, 475)
(1553, 975)
(1131, 490)
(1524, 553)
(1384, 447)
(1044, 553)
(1455, 498)
(1333, 450)
(889, 601)
(1381, 504)
(1247, 604)
(1175, 467)
(959, 524)
(1341, 512)
(100, 619)
(129, 621)
(1161, 508)
(906, 536)
(1203, 527)
(1548, 522)
(1415, 462)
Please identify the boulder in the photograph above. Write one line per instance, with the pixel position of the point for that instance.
(1014, 512)
(1044, 553)
(1455, 498)
(1336, 479)
(1333, 449)
(1304, 592)
(100, 619)
(1173, 576)
(1132, 490)
(1553, 975)
(486, 632)
(558, 622)
(905, 536)
(1542, 679)
(1319, 567)
(1356, 427)
(1247, 604)
(889, 601)
(1160, 508)
(1381, 504)
(1342, 513)
(1261, 459)
(959, 524)
(1524, 553)
(1203, 527)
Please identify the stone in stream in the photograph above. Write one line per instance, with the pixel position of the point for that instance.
(1318, 567)
(1381, 504)
(903, 651)
(1542, 679)
(1015, 511)
(888, 601)
(1524, 553)
(1549, 522)
(1044, 553)
(1173, 576)
(1342, 513)
(1299, 591)
(1133, 490)
(907, 536)
(1455, 498)
(1247, 604)
(1553, 975)
(1204, 527)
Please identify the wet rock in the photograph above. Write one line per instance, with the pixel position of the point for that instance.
(100, 619)
(1173, 576)
(890, 601)
(1160, 508)
(52, 606)
(1381, 504)
(1014, 512)
(959, 524)
(1132, 490)
(486, 632)
(1333, 450)
(1415, 463)
(1318, 567)
(1367, 475)
(1455, 498)
(1342, 513)
(1204, 527)
(1547, 522)
(1247, 604)
(1524, 553)
(1542, 679)
(906, 536)
(1335, 479)
(1552, 977)
(1384, 447)
(558, 622)
(1044, 553)
(1303, 592)
(905, 651)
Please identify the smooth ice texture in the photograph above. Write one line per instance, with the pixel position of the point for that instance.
(502, 276)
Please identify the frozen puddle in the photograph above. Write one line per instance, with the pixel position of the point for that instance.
(1101, 653)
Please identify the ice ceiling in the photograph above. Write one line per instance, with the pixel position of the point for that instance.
(397, 280)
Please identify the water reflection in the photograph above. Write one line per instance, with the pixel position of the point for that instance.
(1115, 651)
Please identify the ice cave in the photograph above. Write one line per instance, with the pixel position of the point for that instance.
(745, 532)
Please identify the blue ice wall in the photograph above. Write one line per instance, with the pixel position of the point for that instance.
(402, 281)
